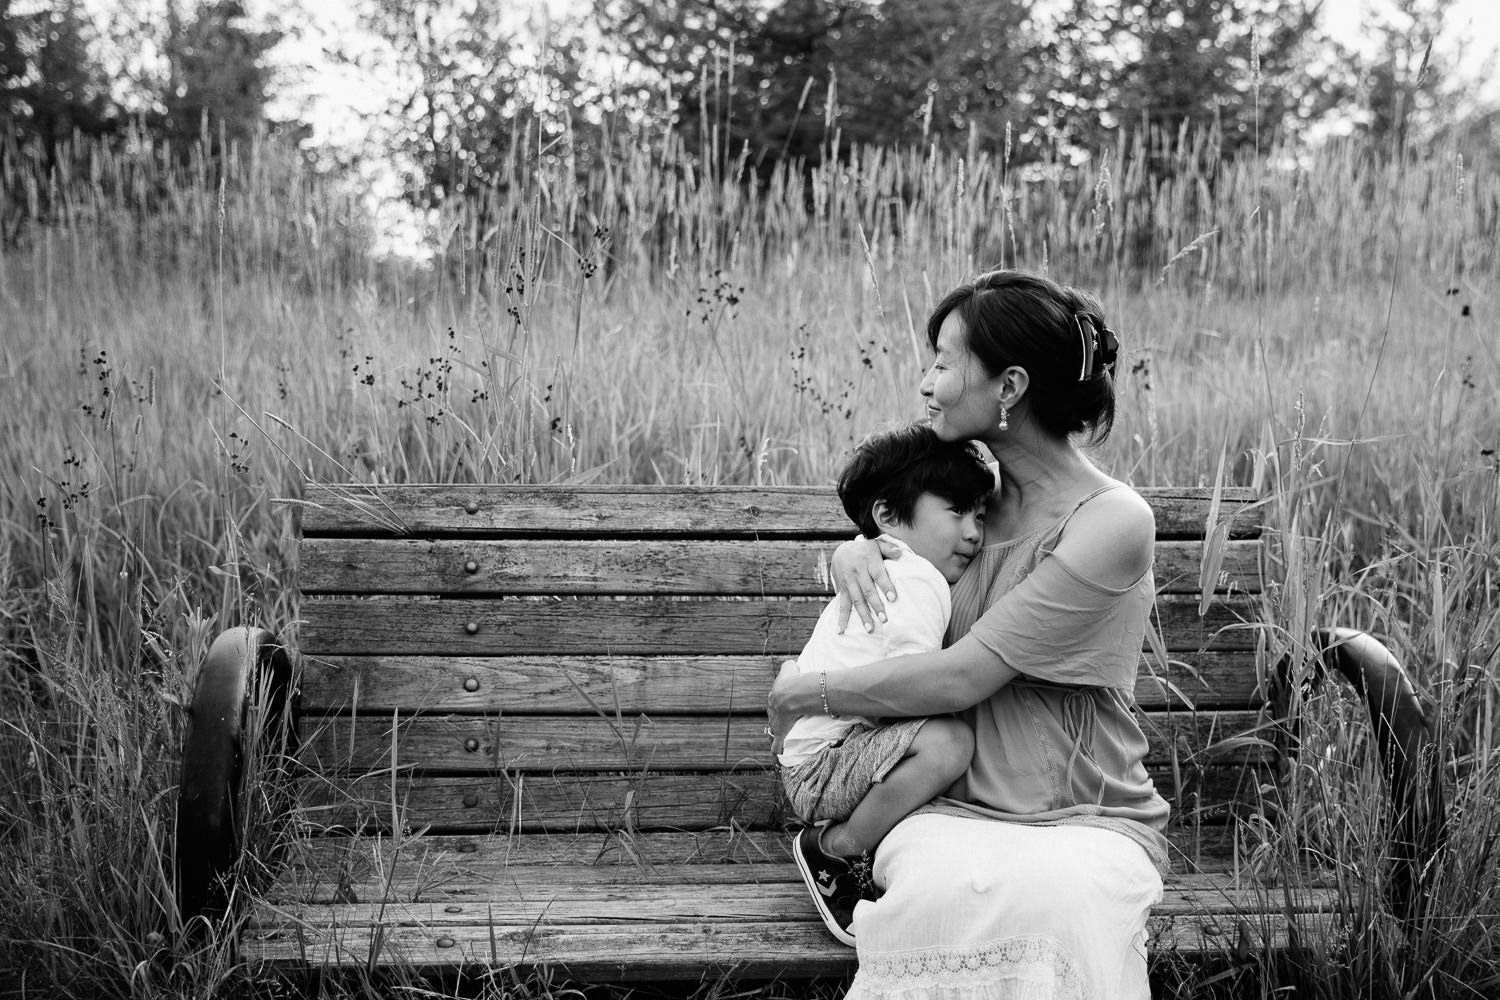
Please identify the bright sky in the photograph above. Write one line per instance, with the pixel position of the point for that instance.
(1471, 34)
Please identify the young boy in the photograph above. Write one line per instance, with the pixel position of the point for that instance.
(853, 779)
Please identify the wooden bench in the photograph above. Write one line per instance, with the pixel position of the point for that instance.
(529, 727)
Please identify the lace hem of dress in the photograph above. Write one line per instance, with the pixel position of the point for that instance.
(1016, 968)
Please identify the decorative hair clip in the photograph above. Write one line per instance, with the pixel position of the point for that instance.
(1088, 344)
(1109, 348)
(1099, 341)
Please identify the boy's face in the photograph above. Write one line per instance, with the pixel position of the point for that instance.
(942, 534)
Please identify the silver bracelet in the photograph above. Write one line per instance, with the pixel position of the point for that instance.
(823, 693)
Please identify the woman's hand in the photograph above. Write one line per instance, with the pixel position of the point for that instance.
(781, 718)
(860, 580)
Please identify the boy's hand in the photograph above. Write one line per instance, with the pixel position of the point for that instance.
(780, 721)
(859, 578)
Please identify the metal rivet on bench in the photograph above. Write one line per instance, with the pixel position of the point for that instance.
(472, 507)
(453, 909)
(471, 627)
(470, 801)
(471, 567)
(445, 942)
(471, 744)
(471, 683)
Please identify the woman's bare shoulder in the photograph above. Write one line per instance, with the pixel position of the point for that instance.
(1122, 503)
(1110, 538)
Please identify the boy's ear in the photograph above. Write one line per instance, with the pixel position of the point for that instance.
(881, 513)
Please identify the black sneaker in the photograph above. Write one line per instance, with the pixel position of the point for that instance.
(836, 884)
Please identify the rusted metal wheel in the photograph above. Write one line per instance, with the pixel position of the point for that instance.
(1410, 753)
(246, 668)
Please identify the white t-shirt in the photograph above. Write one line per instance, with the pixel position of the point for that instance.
(914, 624)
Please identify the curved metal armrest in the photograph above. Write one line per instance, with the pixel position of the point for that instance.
(243, 665)
(1408, 747)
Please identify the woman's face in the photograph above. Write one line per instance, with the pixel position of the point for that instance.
(960, 394)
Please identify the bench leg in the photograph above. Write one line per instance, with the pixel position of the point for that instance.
(246, 669)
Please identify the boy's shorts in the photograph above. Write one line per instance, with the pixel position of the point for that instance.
(826, 788)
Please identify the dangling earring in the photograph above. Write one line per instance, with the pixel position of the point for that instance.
(1004, 424)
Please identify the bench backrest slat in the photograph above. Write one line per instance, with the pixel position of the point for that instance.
(547, 744)
(716, 685)
(660, 511)
(569, 803)
(640, 625)
(490, 567)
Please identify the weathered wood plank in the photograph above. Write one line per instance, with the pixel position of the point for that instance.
(568, 684)
(709, 893)
(496, 882)
(599, 625)
(455, 744)
(629, 684)
(538, 744)
(396, 624)
(1236, 935)
(789, 944)
(568, 804)
(488, 567)
(551, 803)
(378, 862)
(589, 953)
(621, 511)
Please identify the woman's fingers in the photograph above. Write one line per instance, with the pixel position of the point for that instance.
(882, 579)
(859, 577)
(861, 594)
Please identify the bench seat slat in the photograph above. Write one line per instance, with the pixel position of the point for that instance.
(379, 863)
(587, 953)
(388, 625)
(565, 804)
(622, 511)
(479, 567)
(586, 895)
(416, 888)
(631, 684)
(780, 946)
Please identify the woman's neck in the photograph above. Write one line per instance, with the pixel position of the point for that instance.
(1038, 472)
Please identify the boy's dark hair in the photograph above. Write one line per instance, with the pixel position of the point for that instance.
(899, 466)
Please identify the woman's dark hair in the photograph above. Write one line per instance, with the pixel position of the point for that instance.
(900, 465)
(1056, 333)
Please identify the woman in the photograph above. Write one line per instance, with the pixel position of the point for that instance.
(1034, 877)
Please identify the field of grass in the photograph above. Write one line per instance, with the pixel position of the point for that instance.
(182, 349)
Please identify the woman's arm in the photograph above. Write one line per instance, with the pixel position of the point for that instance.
(946, 680)
(1108, 543)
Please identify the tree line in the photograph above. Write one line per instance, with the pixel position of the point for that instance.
(740, 85)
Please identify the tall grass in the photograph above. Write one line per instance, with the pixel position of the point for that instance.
(186, 343)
